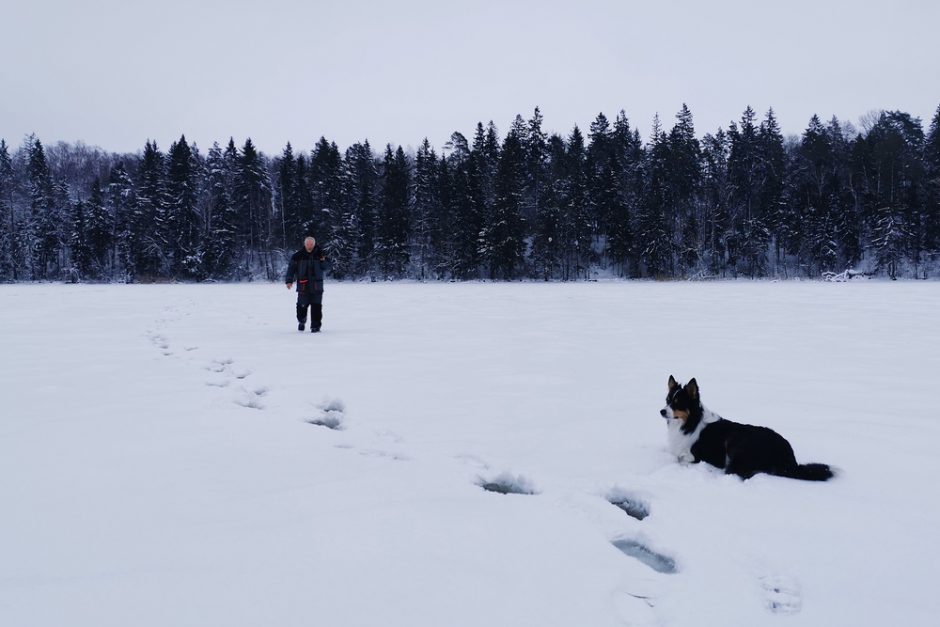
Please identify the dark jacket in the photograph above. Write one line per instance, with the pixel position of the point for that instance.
(306, 269)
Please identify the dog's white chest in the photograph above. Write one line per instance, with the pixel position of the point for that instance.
(679, 443)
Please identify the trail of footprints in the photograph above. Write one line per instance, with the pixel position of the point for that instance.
(781, 594)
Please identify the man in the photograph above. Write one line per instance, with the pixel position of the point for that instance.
(307, 266)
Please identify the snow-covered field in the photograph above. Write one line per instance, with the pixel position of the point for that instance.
(158, 465)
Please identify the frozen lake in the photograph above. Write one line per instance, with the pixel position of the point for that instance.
(158, 465)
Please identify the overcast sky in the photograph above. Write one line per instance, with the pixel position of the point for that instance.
(114, 73)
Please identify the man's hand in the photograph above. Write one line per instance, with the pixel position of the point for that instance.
(290, 285)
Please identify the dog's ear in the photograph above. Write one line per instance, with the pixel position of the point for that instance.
(672, 383)
(691, 389)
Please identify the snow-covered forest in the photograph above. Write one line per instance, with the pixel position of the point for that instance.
(742, 201)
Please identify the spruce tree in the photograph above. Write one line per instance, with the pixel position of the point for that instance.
(288, 197)
(361, 192)
(654, 241)
(252, 202)
(536, 155)
(896, 144)
(504, 232)
(771, 180)
(100, 231)
(576, 216)
(683, 165)
(79, 246)
(932, 186)
(744, 174)
(149, 232)
(184, 226)
(547, 229)
(627, 168)
(468, 212)
(393, 228)
(716, 197)
(9, 262)
(426, 211)
(46, 240)
(219, 235)
(599, 170)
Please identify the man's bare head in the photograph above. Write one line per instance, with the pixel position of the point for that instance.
(309, 243)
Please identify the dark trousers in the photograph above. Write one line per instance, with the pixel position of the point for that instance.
(314, 301)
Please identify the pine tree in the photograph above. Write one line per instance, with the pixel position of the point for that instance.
(843, 210)
(361, 192)
(253, 202)
(100, 231)
(149, 235)
(183, 220)
(504, 232)
(752, 236)
(326, 180)
(79, 246)
(469, 208)
(121, 204)
(46, 241)
(547, 229)
(345, 241)
(576, 216)
(683, 167)
(716, 190)
(653, 236)
(897, 170)
(442, 234)
(9, 262)
(599, 170)
(627, 167)
(931, 222)
(425, 212)
(771, 180)
(536, 157)
(288, 196)
(219, 235)
(393, 227)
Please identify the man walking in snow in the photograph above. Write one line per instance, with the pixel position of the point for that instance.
(307, 266)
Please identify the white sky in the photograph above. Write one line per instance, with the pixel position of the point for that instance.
(114, 73)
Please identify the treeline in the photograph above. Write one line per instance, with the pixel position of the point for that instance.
(739, 202)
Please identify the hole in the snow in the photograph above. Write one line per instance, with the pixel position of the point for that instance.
(329, 419)
(657, 561)
(634, 508)
(508, 484)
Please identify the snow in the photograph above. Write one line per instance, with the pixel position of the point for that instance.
(182, 455)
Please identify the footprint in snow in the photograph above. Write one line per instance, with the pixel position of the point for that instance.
(640, 551)
(330, 414)
(251, 400)
(781, 594)
(507, 483)
(634, 505)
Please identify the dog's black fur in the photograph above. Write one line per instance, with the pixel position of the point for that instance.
(742, 450)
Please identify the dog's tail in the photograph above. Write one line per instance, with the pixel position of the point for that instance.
(810, 472)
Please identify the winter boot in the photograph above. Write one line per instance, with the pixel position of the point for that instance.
(301, 317)
(316, 318)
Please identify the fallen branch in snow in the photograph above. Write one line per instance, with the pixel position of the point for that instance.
(842, 277)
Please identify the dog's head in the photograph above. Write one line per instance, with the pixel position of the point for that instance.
(682, 402)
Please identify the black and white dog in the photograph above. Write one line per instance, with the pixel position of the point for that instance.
(697, 434)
